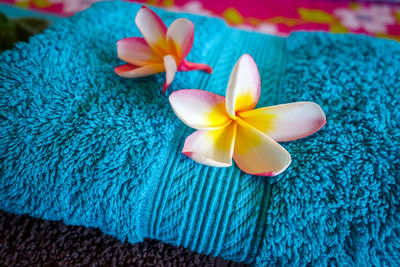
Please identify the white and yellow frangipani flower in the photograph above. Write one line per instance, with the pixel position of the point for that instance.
(229, 127)
(161, 50)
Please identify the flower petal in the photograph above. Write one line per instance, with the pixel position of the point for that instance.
(132, 71)
(189, 66)
(256, 153)
(152, 28)
(244, 86)
(136, 51)
(199, 109)
(213, 148)
(180, 35)
(170, 70)
(286, 122)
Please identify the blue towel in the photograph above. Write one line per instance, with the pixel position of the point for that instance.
(82, 145)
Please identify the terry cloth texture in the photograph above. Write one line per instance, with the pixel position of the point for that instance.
(82, 145)
(27, 241)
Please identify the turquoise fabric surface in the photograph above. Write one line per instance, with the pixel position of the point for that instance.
(82, 145)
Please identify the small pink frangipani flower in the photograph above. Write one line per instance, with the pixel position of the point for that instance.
(161, 49)
(229, 127)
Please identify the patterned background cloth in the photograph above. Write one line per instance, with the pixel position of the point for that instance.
(380, 18)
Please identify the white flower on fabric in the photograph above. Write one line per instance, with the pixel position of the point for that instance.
(373, 19)
(230, 128)
(161, 49)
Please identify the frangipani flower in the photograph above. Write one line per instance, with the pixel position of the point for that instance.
(161, 49)
(230, 126)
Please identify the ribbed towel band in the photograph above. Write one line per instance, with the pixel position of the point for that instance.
(204, 211)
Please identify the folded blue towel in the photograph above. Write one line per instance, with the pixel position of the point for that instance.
(82, 145)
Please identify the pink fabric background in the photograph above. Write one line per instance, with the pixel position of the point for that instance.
(279, 17)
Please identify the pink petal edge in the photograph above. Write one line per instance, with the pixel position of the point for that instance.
(125, 68)
(136, 51)
(181, 35)
(244, 82)
(200, 148)
(152, 28)
(170, 70)
(155, 17)
(268, 174)
(203, 160)
(194, 108)
(257, 154)
(133, 71)
(189, 66)
(291, 121)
